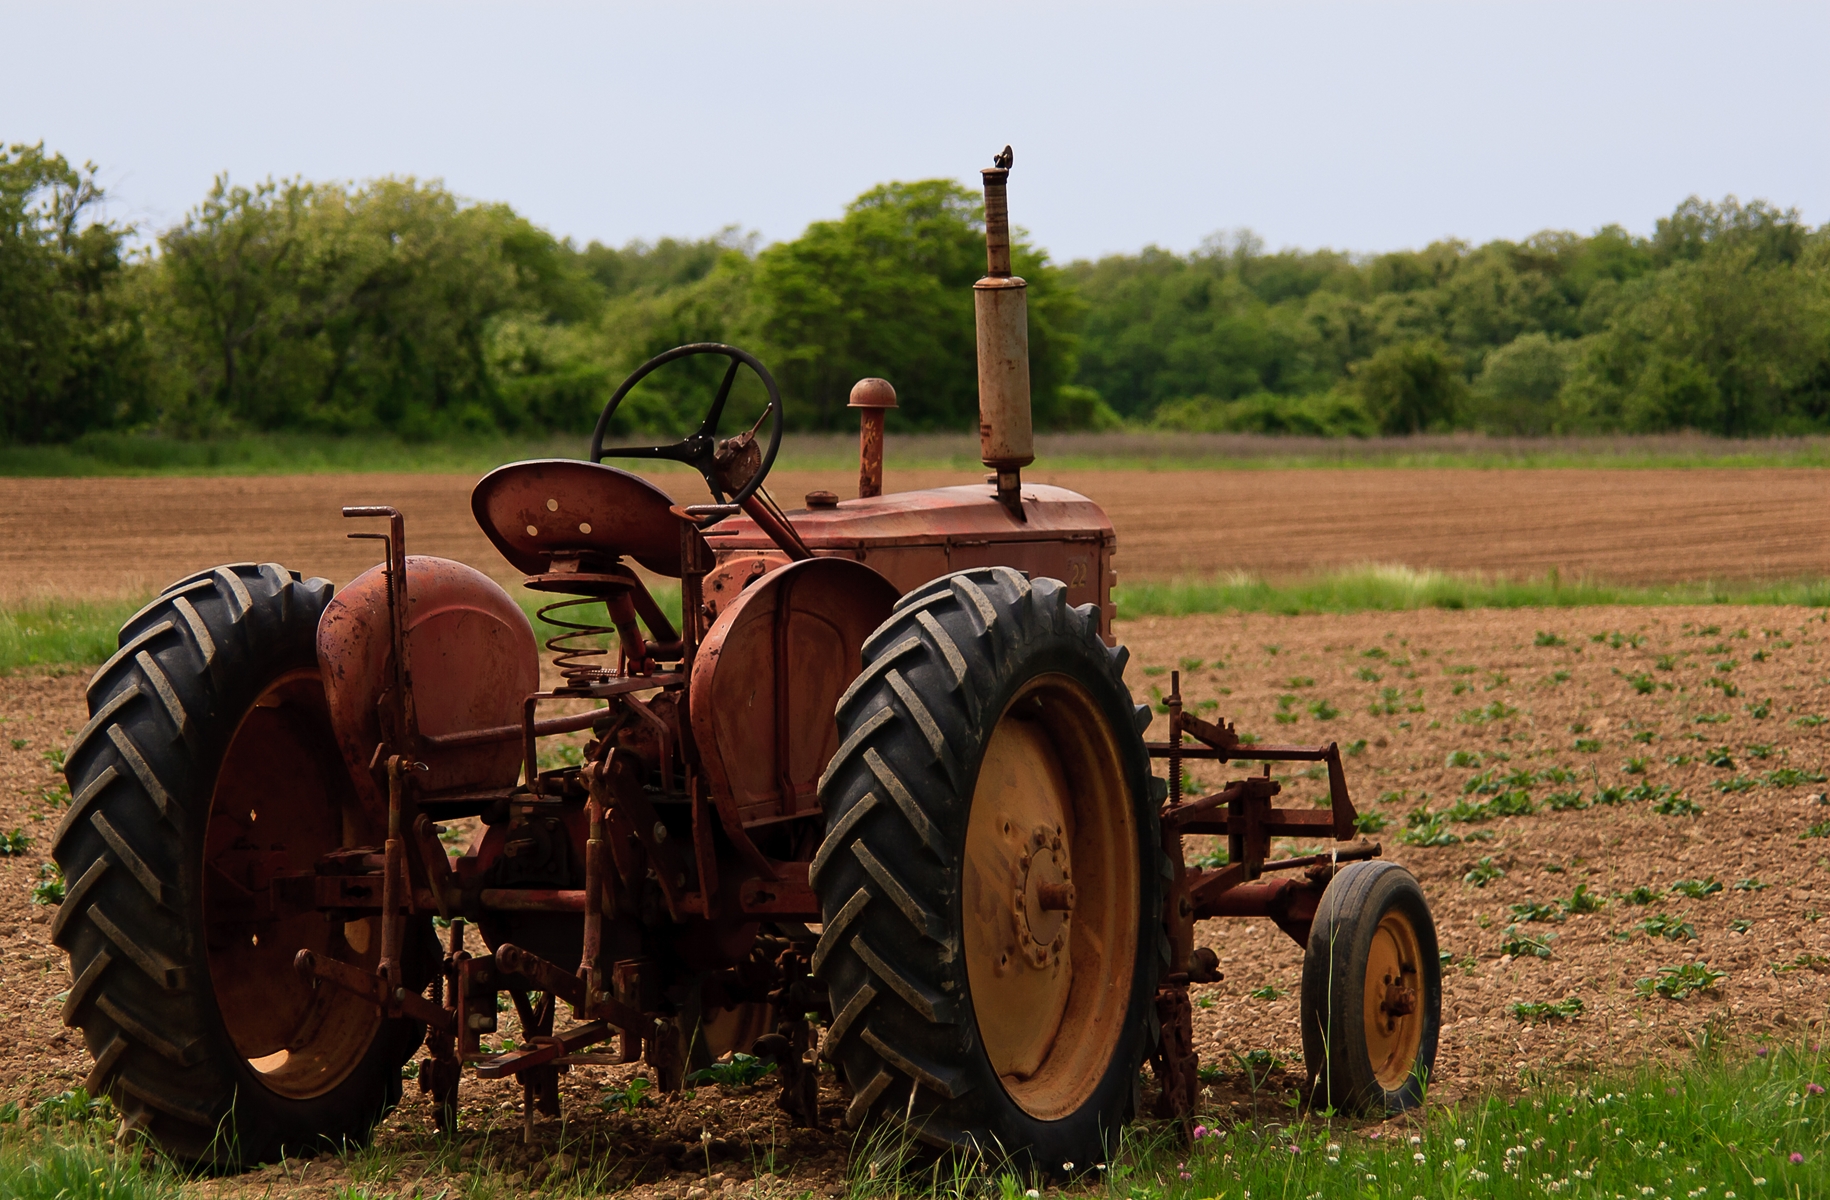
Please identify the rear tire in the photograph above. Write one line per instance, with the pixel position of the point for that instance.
(991, 876)
(1372, 992)
(206, 763)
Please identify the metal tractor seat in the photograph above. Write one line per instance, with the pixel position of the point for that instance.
(553, 513)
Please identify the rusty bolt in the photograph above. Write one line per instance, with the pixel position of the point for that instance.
(1056, 897)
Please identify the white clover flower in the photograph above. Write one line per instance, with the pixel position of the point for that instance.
(1415, 1140)
(1418, 1158)
(1334, 1147)
(1478, 1176)
(1760, 1181)
(1461, 1143)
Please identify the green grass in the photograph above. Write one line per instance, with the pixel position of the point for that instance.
(297, 453)
(77, 1161)
(1715, 1127)
(83, 633)
(60, 631)
(1378, 588)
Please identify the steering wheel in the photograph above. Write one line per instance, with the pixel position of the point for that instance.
(703, 450)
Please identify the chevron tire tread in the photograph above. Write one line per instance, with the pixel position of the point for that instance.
(913, 728)
(163, 710)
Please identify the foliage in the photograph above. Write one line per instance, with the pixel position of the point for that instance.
(394, 306)
(1676, 983)
(72, 351)
(740, 1070)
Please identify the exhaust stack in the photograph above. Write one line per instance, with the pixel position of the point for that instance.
(1006, 440)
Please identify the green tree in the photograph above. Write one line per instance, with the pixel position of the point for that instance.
(1411, 387)
(886, 290)
(72, 350)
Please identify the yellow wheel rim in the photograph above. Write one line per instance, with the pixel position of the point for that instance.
(1393, 1001)
(1051, 897)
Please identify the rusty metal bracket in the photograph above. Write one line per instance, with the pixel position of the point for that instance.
(391, 999)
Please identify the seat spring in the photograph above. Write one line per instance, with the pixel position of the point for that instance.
(573, 656)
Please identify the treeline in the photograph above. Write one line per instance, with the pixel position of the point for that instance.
(396, 307)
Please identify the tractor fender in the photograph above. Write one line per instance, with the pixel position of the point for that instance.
(768, 676)
(473, 659)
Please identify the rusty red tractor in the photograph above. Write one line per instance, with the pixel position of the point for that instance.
(878, 796)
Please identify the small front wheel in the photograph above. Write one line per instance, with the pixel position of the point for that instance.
(1372, 991)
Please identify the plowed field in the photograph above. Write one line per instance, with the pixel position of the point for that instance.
(125, 537)
(1661, 772)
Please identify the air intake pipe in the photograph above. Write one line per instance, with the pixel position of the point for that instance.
(1006, 440)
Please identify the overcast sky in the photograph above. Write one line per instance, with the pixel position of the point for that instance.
(1356, 126)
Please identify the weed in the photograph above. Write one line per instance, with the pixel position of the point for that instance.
(14, 843)
(1368, 675)
(1645, 737)
(1760, 711)
(1735, 786)
(1268, 992)
(1819, 830)
(1497, 710)
(1610, 795)
(1300, 681)
(1786, 777)
(1588, 745)
(1635, 766)
(1515, 803)
(1569, 801)
(1371, 822)
(1810, 721)
(1191, 665)
(1388, 704)
(1669, 926)
(1667, 662)
(1156, 670)
(740, 1070)
(1643, 684)
(1483, 872)
(1719, 757)
(1556, 775)
(1555, 1010)
(1547, 639)
(1433, 831)
(1356, 747)
(1463, 759)
(1559, 677)
(1678, 760)
(50, 886)
(1751, 885)
(1483, 784)
(1696, 889)
(1213, 860)
(1759, 750)
(1740, 926)
(1729, 691)
(1531, 910)
(1321, 710)
(1678, 805)
(1520, 777)
(1675, 983)
(627, 1098)
(1524, 945)
(1375, 652)
(1583, 901)
(1715, 718)
(1643, 895)
(73, 1107)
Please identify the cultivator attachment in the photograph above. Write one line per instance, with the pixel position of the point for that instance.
(1243, 812)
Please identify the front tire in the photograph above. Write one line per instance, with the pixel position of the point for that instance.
(990, 879)
(206, 767)
(1372, 992)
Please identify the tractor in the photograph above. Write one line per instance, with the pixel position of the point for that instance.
(876, 799)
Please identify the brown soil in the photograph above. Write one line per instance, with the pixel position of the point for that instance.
(1444, 666)
(127, 537)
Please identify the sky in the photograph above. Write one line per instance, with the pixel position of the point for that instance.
(1356, 126)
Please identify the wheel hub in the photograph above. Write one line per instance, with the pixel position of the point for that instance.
(1043, 900)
